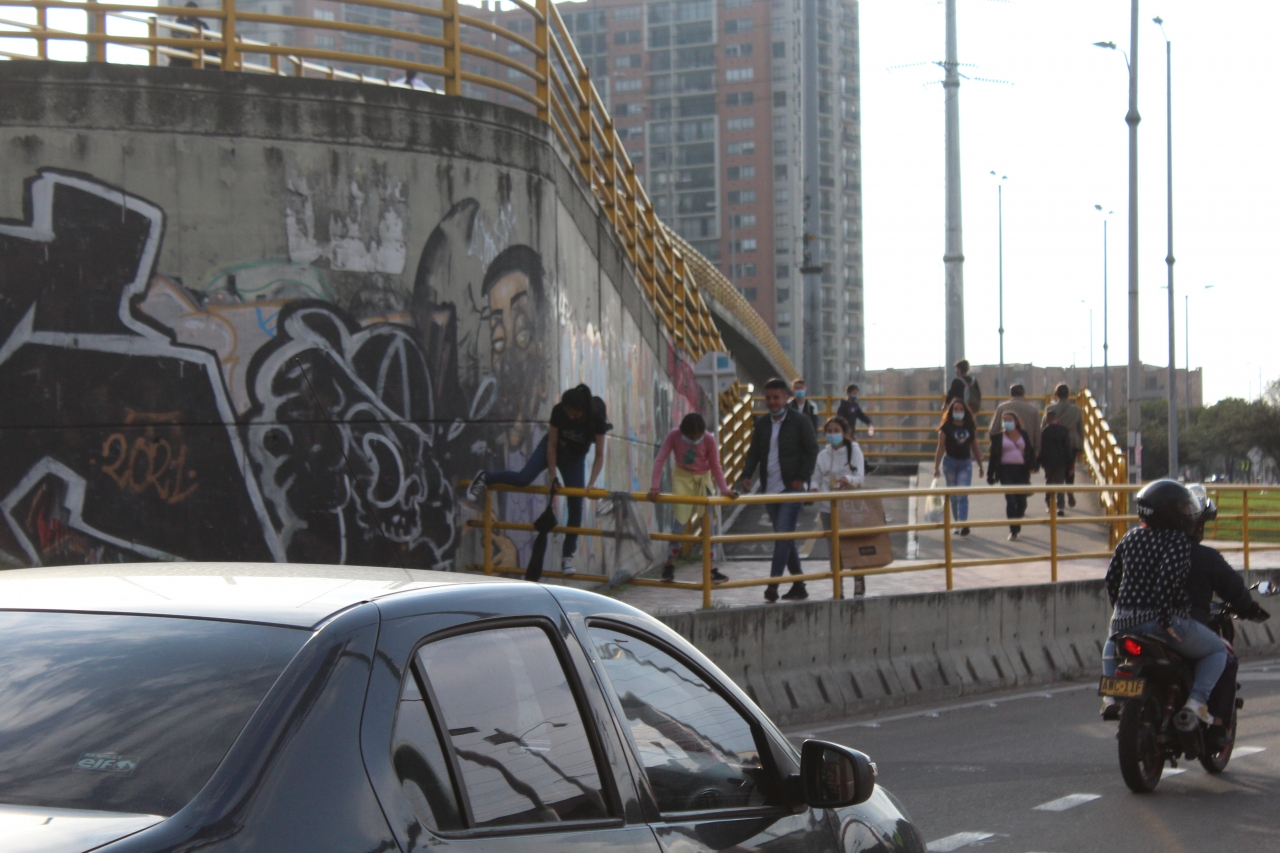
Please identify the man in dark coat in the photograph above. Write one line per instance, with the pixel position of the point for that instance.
(1056, 456)
(784, 446)
(852, 412)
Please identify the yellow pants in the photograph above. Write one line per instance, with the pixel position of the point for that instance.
(688, 483)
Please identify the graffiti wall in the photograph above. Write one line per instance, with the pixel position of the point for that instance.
(298, 357)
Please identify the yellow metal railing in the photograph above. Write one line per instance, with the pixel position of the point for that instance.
(701, 533)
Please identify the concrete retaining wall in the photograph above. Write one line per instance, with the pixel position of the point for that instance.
(830, 659)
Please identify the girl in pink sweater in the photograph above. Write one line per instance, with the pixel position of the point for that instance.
(697, 465)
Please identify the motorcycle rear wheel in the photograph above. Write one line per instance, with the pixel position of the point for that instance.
(1141, 758)
(1217, 762)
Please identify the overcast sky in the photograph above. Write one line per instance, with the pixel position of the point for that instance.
(1058, 133)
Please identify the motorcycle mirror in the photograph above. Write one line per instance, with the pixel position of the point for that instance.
(1267, 588)
(833, 776)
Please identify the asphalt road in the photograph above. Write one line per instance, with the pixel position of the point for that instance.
(1037, 771)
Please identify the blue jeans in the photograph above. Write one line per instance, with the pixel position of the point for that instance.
(959, 473)
(785, 556)
(1198, 644)
(572, 475)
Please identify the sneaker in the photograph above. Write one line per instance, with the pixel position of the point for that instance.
(669, 573)
(771, 593)
(1061, 513)
(1192, 716)
(718, 576)
(1071, 500)
(1013, 537)
(1110, 709)
(796, 593)
(964, 531)
(566, 566)
(475, 491)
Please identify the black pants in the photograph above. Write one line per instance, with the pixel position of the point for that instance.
(1015, 506)
(1056, 475)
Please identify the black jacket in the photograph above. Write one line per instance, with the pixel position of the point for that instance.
(797, 449)
(852, 413)
(807, 408)
(1055, 447)
(1211, 574)
(997, 451)
(960, 389)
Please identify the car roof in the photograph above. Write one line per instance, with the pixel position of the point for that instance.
(299, 595)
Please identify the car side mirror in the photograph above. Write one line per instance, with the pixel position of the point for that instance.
(832, 776)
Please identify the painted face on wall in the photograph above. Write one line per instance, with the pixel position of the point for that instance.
(513, 287)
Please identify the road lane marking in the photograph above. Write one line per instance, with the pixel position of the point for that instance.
(1242, 751)
(1068, 802)
(955, 842)
(1173, 771)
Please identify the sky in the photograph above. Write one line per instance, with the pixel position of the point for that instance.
(1057, 131)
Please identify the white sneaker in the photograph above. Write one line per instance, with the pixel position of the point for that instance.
(1192, 715)
(566, 566)
(475, 491)
(1200, 710)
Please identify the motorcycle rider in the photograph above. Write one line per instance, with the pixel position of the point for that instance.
(1147, 586)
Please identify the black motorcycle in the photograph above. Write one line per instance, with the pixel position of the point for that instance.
(1153, 683)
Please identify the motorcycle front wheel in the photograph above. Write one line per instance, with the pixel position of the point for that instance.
(1216, 762)
(1141, 759)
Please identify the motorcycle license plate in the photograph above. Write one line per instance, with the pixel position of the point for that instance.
(1122, 688)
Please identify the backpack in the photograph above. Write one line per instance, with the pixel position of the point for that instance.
(972, 395)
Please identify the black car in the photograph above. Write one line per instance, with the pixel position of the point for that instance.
(244, 707)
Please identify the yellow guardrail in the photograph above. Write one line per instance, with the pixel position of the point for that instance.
(704, 537)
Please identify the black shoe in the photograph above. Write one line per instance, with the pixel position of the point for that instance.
(771, 593)
(669, 573)
(796, 593)
(718, 576)
(1013, 536)
(964, 531)
(1071, 500)
(1061, 513)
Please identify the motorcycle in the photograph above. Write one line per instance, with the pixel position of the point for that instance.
(1153, 683)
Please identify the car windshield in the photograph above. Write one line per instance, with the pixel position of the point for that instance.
(126, 713)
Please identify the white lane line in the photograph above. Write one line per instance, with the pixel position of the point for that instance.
(1068, 802)
(955, 842)
(1242, 751)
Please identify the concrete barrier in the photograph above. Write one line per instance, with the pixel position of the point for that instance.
(825, 660)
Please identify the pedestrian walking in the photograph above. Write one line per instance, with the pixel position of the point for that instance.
(800, 404)
(851, 411)
(578, 423)
(957, 451)
(1028, 416)
(1012, 460)
(199, 26)
(784, 447)
(1070, 416)
(1056, 456)
(840, 467)
(965, 387)
(695, 470)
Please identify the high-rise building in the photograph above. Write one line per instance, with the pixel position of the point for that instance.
(709, 99)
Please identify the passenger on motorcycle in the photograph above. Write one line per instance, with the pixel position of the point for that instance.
(1147, 586)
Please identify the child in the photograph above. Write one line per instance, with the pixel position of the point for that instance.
(697, 463)
(840, 466)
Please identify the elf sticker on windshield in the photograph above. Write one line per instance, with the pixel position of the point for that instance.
(107, 762)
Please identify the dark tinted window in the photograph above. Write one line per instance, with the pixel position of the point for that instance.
(699, 753)
(521, 744)
(126, 713)
(420, 761)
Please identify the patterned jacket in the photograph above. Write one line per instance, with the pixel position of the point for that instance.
(1148, 578)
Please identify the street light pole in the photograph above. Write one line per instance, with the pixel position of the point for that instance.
(1000, 230)
(1132, 118)
(1173, 371)
(1106, 366)
(953, 259)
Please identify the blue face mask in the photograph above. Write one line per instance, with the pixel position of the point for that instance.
(957, 416)
(1009, 426)
(853, 398)
(800, 394)
(835, 438)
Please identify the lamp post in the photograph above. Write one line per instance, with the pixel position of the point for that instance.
(1132, 118)
(1173, 371)
(1106, 372)
(1000, 230)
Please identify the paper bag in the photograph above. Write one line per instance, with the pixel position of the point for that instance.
(864, 552)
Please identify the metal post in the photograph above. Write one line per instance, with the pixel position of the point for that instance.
(1173, 370)
(837, 587)
(452, 50)
(1000, 220)
(486, 526)
(946, 540)
(1135, 360)
(1244, 525)
(1053, 535)
(953, 260)
(706, 559)
(542, 62)
(230, 56)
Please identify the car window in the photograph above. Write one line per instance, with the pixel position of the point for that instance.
(126, 713)
(420, 761)
(514, 725)
(698, 752)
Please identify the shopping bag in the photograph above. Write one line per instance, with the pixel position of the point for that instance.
(933, 508)
(864, 552)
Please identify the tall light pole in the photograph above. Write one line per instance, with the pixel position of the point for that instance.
(953, 260)
(1106, 367)
(1168, 259)
(1132, 118)
(1000, 229)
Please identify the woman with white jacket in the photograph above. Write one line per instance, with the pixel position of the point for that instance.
(840, 467)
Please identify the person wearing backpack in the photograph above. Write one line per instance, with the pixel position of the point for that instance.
(840, 467)
(578, 423)
(965, 388)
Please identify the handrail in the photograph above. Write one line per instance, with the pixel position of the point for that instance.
(703, 535)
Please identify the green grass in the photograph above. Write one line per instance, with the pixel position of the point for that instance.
(1230, 503)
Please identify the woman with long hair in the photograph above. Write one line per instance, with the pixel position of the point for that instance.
(840, 467)
(1012, 461)
(957, 451)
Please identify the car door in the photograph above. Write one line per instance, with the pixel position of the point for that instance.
(711, 771)
(480, 736)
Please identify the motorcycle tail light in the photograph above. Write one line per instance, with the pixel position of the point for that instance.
(1131, 647)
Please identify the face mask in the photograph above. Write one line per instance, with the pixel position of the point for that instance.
(1009, 426)
(800, 394)
(835, 439)
(958, 417)
(697, 440)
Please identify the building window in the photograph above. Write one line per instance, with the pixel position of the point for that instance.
(739, 75)
(631, 60)
(741, 123)
(779, 148)
(325, 42)
(660, 84)
(742, 197)
(628, 85)
(627, 110)
(735, 51)
(779, 50)
(739, 99)
(780, 171)
(743, 271)
(695, 81)
(781, 196)
(782, 272)
(736, 4)
(695, 33)
(627, 37)
(742, 220)
(779, 99)
(741, 173)
(748, 293)
(734, 148)
(697, 10)
(323, 14)
(748, 245)
(626, 13)
(737, 25)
